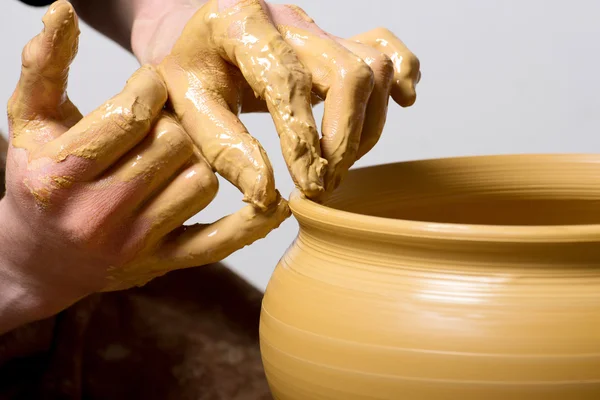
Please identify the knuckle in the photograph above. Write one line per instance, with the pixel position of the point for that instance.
(148, 78)
(90, 226)
(410, 62)
(383, 64)
(358, 73)
(207, 181)
(169, 131)
(125, 120)
(414, 62)
(383, 32)
(300, 74)
(43, 190)
(300, 13)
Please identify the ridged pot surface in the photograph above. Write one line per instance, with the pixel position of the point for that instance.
(468, 278)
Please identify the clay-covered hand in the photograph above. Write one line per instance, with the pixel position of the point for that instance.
(246, 55)
(98, 203)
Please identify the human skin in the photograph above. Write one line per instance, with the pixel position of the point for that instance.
(97, 203)
(209, 83)
(250, 56)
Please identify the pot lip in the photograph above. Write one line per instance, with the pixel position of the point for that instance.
(312, 213)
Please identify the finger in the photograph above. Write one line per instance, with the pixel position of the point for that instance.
(41, 91)
(221, 137)
(204, 244)
(275, 74)
(406, 65)
(341, 77)
(376, 112)
(250, 104)
(189, 193)
(152, 163)
(110, 131)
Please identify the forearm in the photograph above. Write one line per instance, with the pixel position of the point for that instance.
(18, 306)
(8, 291)
(134, 24)
(18, 301)
(112, 18)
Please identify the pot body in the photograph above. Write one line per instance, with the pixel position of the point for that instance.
(356, 312)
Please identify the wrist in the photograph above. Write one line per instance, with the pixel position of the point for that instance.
(156, 26)
(20, 296)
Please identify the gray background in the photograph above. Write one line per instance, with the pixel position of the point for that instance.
(499, 76)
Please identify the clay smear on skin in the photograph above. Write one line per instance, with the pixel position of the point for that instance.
(295, 125)
(407, 73)
(341, 76)
(349, 129)
(213, 40)
(209, 244)
(113, 143)
(332, 68)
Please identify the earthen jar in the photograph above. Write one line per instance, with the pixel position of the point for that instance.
(472, 278)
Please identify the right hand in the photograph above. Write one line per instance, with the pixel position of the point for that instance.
(251, 56)
(98, 203)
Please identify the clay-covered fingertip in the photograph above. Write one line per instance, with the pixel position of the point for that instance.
(148, 71)
(310, 186)
(312, 192)
(316, 193)
(282, 209)
(61, 8)
(149, 86)
(278, 210)
(262, 201)
(310, 180)
(404, 97)
(60, 13)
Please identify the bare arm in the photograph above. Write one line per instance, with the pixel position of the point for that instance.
(112, 18)
(133, 23)
(15, 306)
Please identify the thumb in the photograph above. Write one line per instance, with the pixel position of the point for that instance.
(41, 90)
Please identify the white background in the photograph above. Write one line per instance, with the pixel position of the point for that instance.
(499, 76)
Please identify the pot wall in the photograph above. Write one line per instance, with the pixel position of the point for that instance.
(353, 312)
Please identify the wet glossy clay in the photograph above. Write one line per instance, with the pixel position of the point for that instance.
(457, 279)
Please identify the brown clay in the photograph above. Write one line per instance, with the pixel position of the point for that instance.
(469, 278)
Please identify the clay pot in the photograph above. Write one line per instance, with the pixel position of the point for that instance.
(466, 278)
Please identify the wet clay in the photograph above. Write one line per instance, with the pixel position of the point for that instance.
(356, 81)
(405, 301)
(120, 182)
(407, 72)
(205, 92)
(234, 56)
(202, 244)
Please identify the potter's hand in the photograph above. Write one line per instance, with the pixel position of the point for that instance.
(97, 203)
(245, 55)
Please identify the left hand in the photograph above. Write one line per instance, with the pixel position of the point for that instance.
(99, 202)
(248, 56)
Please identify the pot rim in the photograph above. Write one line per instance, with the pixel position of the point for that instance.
(312, 213)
